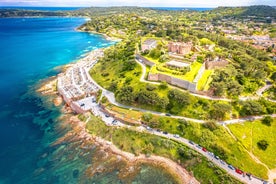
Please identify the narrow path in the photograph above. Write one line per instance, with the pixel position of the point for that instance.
(229, 131)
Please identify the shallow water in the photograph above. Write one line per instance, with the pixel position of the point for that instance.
(29, 123)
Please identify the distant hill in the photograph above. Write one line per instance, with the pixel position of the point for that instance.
(29, 13)
(260, 11)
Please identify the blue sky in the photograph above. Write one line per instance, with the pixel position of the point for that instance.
(147, 3)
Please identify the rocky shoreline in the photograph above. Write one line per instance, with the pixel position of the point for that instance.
(132, 162)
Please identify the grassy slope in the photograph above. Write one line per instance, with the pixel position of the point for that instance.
(236, 153)
(203, 81)
(137, 143)
(250, 133)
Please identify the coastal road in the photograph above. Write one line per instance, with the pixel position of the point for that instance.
(110, 121)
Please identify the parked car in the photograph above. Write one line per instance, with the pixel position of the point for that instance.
(216, 157)
(107, 115)
(114, 122)
(191, 142)
(231, 167)
(249, 176)
(167, 114)
(211, 154)
(204, 149)
(198, 146)
(238, 171)
(158, 130)
(165, 133)
(222, 162)
(149, 129)
(176, 135)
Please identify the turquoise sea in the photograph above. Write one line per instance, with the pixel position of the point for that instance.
(32, 49)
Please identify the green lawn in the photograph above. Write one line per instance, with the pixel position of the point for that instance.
(190, 76)
(203, 81)
(144, 143)
(250, 133)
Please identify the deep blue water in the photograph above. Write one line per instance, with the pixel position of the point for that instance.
(30, 50)
(42, 8)
(30, 125)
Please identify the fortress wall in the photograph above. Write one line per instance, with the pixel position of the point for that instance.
(173, 81)
(163, 77)
(153, 77)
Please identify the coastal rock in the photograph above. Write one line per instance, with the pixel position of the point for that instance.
(57, 101)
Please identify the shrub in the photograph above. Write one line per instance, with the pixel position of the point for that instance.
(211, 125)
(267, 120)
(151, 87)
(163, 85)
(262, 144)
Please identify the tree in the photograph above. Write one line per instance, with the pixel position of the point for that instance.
(219, 111)
(273, 77)
(183, 99)
(147, 117)
(267, 120)
(234, 88)
(211, 125)
(251, 108)
(262, 144)
(125, 95)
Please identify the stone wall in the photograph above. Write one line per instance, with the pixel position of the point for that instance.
(173, 81)
(153, 77)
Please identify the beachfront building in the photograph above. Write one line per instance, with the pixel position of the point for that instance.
(149, 44)
(180, 48)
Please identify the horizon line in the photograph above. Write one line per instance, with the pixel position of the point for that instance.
(134, 6)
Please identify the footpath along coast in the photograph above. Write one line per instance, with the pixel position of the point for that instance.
(78, 90)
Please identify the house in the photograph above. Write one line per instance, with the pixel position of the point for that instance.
(149, 44)
(180, 47)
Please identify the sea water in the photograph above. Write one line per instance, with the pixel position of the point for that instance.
(31, 50)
